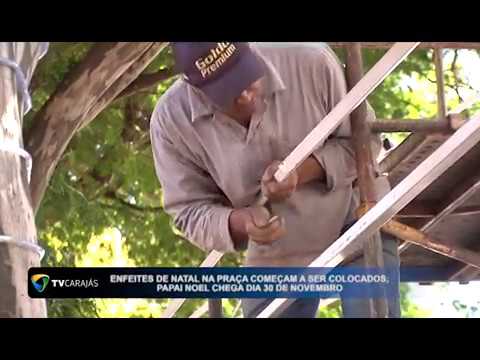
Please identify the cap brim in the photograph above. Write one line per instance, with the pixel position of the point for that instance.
(224, 90)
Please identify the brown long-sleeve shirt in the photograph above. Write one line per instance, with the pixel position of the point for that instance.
(209, 164)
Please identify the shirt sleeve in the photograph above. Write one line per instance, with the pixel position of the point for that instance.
(198, 207)
(337, 155)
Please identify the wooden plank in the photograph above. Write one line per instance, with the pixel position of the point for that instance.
(202, 310)
(349, 103)
(210, 261)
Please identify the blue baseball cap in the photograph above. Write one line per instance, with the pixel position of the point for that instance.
(221, 70)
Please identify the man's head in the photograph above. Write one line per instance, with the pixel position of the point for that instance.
(230, 74)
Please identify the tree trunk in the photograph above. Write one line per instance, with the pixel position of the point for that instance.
(17, 226)
(87, 90)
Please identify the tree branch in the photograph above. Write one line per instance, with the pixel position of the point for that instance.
(146, 81)
(114, 196)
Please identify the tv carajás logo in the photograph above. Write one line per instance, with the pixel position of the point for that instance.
(40, 282)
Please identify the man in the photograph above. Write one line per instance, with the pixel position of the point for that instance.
(218, 135)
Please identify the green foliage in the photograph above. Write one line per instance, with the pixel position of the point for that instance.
(409, 310)
(106, 179)
(333, 310)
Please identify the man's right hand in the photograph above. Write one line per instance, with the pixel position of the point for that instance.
(252, 223)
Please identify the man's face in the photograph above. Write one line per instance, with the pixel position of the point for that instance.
(252, 100)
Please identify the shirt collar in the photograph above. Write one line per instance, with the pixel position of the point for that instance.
(201, 106)
(273, 81)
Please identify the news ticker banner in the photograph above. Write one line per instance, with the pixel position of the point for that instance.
(216, 282)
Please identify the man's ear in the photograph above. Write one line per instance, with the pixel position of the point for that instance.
(244, 98)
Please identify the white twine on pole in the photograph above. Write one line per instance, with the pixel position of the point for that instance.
(15, 149)
(26, 102)
(21, 82)
(23, 244)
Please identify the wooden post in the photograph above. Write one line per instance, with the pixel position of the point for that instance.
(446, 125)
(361, 137)
(17, 224)
(215, 308)
(441, 104)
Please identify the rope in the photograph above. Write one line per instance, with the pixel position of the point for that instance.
(26, 102)
(14, 149)
(23, 244)
(21, 81)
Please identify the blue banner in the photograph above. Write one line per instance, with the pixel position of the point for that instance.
(347, 282)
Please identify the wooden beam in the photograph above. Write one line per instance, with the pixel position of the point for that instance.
(423, 45)
(441, 104)
(215, 308)
(420, 238)
(465, 274)
(105, 72)
(444, 125)
(421, 209)
(460, 194)
(402, 152)
(361, 137)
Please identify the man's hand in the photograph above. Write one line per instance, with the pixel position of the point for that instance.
(278, 191)
(254, 223)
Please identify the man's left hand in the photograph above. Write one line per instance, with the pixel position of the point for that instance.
(278, 191)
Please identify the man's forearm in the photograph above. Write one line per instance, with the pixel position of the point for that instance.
(310, 170)
(238, 232)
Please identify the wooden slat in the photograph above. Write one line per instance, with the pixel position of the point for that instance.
(210, 261)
